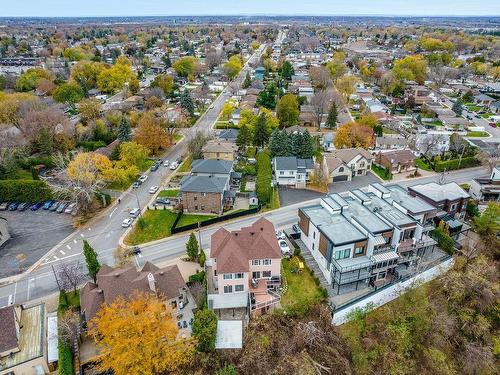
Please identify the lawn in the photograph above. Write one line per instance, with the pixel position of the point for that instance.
(478, 134)
(487, 115)
(383, 173)
(302, 291)
(472, 107)
(172, 193)
(388, 131)
(157, 224)
(421, 164)
(23, 174)
(186, 165)
(188, 219)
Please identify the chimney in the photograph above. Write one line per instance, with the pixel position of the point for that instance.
(151, 281)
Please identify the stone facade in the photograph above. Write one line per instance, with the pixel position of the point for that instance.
(210, 203)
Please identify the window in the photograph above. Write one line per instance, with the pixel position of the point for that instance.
(314, 235)
(228, 288)
(381, 275)
(453, 207)
(362, 164)
(256, 262)
(256, 275)
(228, 276)
(266, 262)
(196, 208)
(341, 169)
(195, 198)
(313, 246)
(238, 288)
(384, 264)
(215, 272)
(203, 194)
(282, 173)
(359, 250)
(342, 254)
(238, 275)
(266, 273)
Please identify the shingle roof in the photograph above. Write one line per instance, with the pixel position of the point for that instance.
(234, 250)
(8, 336)
(211, 166)
(347, 154)
(288, 163)
(219, 146)
(203, 184)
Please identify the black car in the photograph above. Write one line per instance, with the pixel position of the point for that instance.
(136, 250)
(136, 184)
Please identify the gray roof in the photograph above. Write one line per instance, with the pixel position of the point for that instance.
(203, 184)
(412, 204)
(388, 211)
(229, 134)
(365, 217)
(292, 163)
(214, 166)
(483, 97)
(450, 191)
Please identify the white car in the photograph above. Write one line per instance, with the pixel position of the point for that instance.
(153, 189)
(285, 249)
(280, 235)
(165, 163)
(127, 222)
(143, 178)
(70, 208)
(174, 165)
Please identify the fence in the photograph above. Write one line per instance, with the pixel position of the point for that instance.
(389, 292)
(174, 229)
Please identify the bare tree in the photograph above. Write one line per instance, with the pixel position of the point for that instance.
(490, 159)
(442, 74)
(213, 59)
(196, 142)
(320, 77)
(68, 323)
(122, 257)
(71, 275)
(320, 103)
(428, 144)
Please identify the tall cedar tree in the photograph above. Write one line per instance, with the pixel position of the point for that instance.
(279, 144)
(331, 120)
(457, 107)
(187, 102)
(244, 138)
(124, 132)
(261, 132)
(287, 71)
(93, 264)
(192, 248)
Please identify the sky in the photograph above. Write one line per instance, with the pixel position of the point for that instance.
(83, 8)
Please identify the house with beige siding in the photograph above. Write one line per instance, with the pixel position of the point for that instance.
(218, 149)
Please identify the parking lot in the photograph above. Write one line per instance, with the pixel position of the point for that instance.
(33, 233)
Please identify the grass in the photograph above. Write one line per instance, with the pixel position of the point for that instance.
(382, 172)
(473, 108)
(421, 164)
(478, 134)
(433, 123)
(172, 193)
(302, 292)
(275, 201)
(188, 219)
(186, 165)
(23, 174)
(487, 115)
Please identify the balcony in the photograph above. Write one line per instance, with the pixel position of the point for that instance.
(264, 293)
(383, 249)
(410, 244)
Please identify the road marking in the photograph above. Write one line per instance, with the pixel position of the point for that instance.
(62, 252)
(137, 261)
(69, 247)
(10, 301)
(112, 212)
(75, 241)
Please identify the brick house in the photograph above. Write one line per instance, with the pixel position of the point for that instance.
(396, 161)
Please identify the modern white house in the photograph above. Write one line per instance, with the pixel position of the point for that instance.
(292, 171)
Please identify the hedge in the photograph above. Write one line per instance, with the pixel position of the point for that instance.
(450, 165)
(264, 177)
(65, 361)
(27, 163)
(444, 241)
(30, 191)
(91, 145)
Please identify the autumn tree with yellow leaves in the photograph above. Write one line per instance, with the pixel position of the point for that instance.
(139, 336)
(353, 134)
(151, 133)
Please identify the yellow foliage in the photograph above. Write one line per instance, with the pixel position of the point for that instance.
(353, 135)
(88, 167)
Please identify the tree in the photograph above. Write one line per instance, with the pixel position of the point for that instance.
(117, 76)
(247, 82)
(70, 93)
(319, 175)
(124, 132)
(90, 109)
(186, 66)
(138, 336)
(227, 110)
(411, 68)
(86, 73)
(286, 72)
(233, 66)
(244, 137)
(320, 77)
(132, 154)
(187, 102)
(164, 82)
(288, 111)
(28, 80)
(192, 248)
(346, 85)
(196, 143)
(353, 135)
(70, 275)
(488, 225)
(319, 102)
(267, 97)
(205, 330)
(336, 68)
(93, 265)
(261, 132)
(468, 96)
(331, 120)
(457, 107)
(280, 143)
(150, 134)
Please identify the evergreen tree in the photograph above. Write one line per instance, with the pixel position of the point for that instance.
(192, 248)
(331, 120)
(261, 133)
(247, 82)
(93, 265)
(306, 146)
(287, 71)
(187, 102)
(124, 132)
(457, 107)
(244, 138)
(166, 61)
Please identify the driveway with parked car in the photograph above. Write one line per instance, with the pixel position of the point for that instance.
(33, 233)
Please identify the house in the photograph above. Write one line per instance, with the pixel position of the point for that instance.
(217, 149)
(396, 161)
(228, 135)
(366, 239)
(166, 283)
(4, 231)
(23, 338)
(422, 95)
(244, 271)
(374, 105)
(236, 116)
(495, 107)
(396, 142)
(486, 189)
(206, 194)
(259, 73)
(432, 142)
(343, 164)
(483, 99)
(292, 171)
(212, 167)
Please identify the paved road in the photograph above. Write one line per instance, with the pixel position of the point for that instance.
(41, 282)
(103, 232)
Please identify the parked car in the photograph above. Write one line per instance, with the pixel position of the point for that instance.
(70, 208)
(295, 228)
(48, 204)
(23, 207)
(143, 178)
(154, 167)
(54, 206)
(492, 124)
(174, 166)
(134, 212)
(136, 250)
(61, 208)
(153, 189)
(162, 201)
(36, 206)
(280, 235)
(13, 206)
(127, 222)
(4, 206)
(165, 163)
(285, 249)
(136, 184)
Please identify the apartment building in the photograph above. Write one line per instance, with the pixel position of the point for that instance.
(244, 270)
(367, 239)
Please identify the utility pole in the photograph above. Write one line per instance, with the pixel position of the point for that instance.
(55, 276)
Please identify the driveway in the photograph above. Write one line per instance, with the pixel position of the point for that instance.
(356, 183)
(290, 196)
(32, 235)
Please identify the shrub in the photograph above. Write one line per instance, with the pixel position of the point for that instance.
(197, 277)
(450, 165)
(30, 191)
(91, 145)
(444, 241)
(65, 362)
(27, 163)
(205, 330)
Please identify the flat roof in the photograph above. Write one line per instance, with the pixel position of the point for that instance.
(31, 337)
(365, 217)
(412, 204)
(380, 187)
(388, 211)
(229, 334)
(432, 190)
(227, 301)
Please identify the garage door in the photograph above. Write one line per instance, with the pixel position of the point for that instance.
(340, 178)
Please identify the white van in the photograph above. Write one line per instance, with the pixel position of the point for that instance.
(135, 212)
